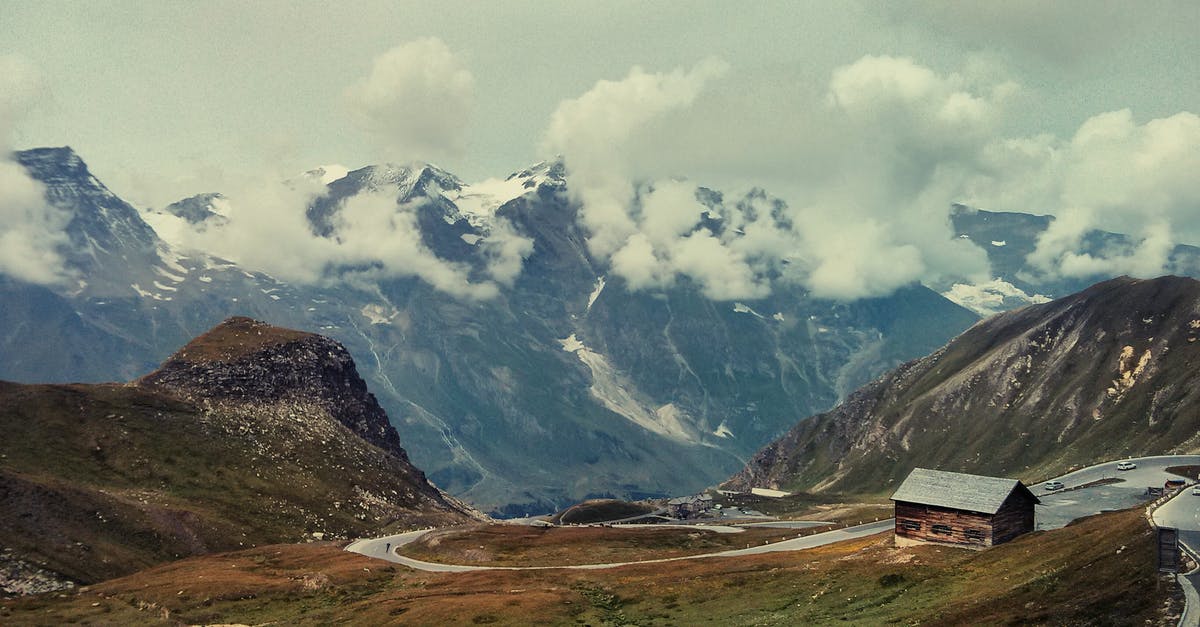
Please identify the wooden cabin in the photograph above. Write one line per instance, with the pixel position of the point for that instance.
(960, 509)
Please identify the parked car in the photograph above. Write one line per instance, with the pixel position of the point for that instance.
(1126, 466)
(1196, 491)
(1053, 485)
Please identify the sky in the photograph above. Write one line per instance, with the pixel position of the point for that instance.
(868, 118)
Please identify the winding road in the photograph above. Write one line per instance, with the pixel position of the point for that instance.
(1058, 508)
(384, 548)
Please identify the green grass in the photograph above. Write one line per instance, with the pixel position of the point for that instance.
(600, 510)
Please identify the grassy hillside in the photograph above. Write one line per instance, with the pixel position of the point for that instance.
(1106, 373)
(1097, 572)
(250, 434)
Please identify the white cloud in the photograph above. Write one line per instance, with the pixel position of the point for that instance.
(506, 251)
(860, 259)
(416, 102)
(374, 238)
(1112, 175)
(650, 240)
(31, 230)
(891, 137)
(593, 132)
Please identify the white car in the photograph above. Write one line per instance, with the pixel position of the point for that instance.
(1196, 491)
(1053, 485)
(1126, 466)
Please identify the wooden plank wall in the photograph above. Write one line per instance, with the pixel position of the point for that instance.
(958, 521)
(1014, 518)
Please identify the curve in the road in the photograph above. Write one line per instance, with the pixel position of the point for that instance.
(1079, 477)
(385, 548)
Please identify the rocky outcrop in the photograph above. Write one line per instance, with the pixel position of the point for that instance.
(246, 361)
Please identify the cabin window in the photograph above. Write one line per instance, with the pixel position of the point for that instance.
(910, 525)
(942, 529)
(974, 535)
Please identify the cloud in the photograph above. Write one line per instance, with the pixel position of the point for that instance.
(593, 132)
(1113, 175)
(374, 238)
(650, 240)
(505, 251)
(890, 139)
(668, 244)
(416, 102)
(32, 231)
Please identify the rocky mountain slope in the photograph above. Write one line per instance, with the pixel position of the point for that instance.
(1105, 373)
(250, 434)
(563, 385)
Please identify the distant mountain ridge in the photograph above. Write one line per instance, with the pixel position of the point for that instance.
(1105, 373)
(565, 385)
(1009, 238)
(276, 441)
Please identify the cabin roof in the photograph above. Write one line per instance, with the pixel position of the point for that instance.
(956, 490)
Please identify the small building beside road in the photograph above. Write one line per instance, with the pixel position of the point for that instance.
(961, 510)
(688, 506)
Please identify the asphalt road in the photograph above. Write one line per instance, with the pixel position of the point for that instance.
(1058, 508)
(384, 548)
(1062, 506)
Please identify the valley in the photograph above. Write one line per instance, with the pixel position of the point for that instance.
(599, 314)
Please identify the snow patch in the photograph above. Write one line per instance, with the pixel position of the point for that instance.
(571, 344)
(330, 173)
(742, 308)
(723, 431)
(379, 314)
(165, 287)
(613, 390)
(171, 259)
(778, 316)
(992, 297)
(595, 292)
(471, 238)
(999, 243)
(205, 279)
(478, 202)
(144, 294)
(167, 275)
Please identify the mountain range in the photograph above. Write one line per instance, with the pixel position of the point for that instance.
(1105, 373)
(565, 383)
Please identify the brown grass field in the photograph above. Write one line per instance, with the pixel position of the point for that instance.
(1099, 571)
(516, 545)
